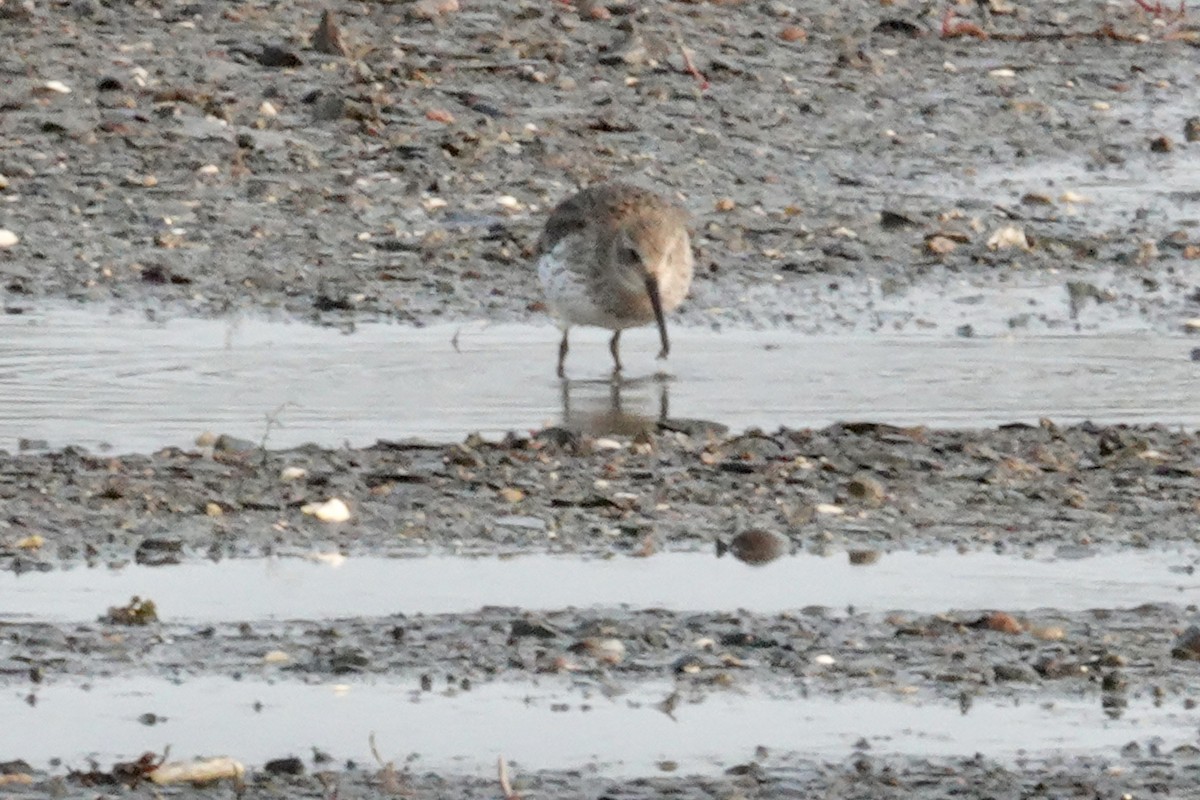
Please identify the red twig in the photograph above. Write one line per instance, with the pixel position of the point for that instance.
(691, 68)
(1159, 10)
(953, 27)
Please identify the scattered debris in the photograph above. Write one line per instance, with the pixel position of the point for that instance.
(202, 771)
(137, 612)
(332, 510)
(327, 38)
(1009, 237)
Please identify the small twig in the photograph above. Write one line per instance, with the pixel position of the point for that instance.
(375, 750)
(688, 64)
(1159, 10)
(273, 421)
(953, 27)
(388, 779)
(454, 340)
(505, 785)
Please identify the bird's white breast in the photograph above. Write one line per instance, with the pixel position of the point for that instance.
(568, 294)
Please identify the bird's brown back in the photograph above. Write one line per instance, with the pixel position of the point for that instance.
(610, 206)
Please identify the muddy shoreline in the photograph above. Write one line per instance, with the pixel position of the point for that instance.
(849, 486)
(197, 159)
(211, 160)
(864, 490)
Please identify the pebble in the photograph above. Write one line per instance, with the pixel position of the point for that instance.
(1020, 673)
(1048, 633)
(511, 494)
(157, 551)
(940, 245)
(1161, 144)
(756, 546)
(292, 473)
(866, 490)
(1187, 645)
(432, 9)
(284, 766)
(332, 510)
(1000, 621)
(8, 238)
(862, 558)
(521, 522)
(1008, 237)
(232, 444)
(201, 771)
(604, 650)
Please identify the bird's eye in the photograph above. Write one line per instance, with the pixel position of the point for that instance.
(630, 256)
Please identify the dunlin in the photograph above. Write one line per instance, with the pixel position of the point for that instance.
(615, 256)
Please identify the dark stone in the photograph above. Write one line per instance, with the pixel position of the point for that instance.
(156, 552)
(284, 766)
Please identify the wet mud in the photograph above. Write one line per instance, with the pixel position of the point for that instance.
(833, 156)
(1052, 584)
(950, 554)
(853, 485)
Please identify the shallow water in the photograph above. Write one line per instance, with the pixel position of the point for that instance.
(293, 588)
(130, 384)
(539, 727)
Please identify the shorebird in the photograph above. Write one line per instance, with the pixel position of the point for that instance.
(615, 256)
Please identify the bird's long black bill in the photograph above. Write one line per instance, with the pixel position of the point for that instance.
(656, 303)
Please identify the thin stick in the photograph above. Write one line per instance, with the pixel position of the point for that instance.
(688, 64)
(505, 785)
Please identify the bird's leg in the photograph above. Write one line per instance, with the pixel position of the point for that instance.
(614, 347)
(563, 348)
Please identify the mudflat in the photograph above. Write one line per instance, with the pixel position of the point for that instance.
(629, 599)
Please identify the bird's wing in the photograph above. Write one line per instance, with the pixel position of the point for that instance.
(570, 216)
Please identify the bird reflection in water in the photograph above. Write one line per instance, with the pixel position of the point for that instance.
(615, 407)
